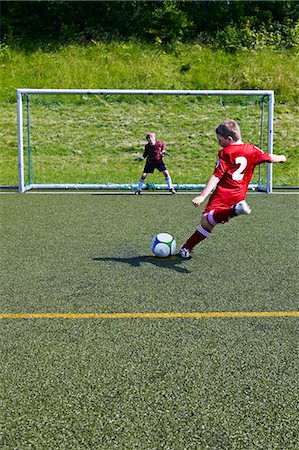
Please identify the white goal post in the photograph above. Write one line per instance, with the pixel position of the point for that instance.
(24, 123)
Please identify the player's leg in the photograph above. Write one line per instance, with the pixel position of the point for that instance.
(208, 221)
(148, 168)
(140, 183)
(202, 232)
(169, 181)
(223, 215)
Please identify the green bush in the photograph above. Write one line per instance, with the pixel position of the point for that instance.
(231, 25)
(169, 24)
(275, 36)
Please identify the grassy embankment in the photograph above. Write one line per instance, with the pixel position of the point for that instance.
(140, 66)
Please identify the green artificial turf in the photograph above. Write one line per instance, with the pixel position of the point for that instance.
(225, 383)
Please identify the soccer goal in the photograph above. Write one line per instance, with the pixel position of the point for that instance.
(91, 139)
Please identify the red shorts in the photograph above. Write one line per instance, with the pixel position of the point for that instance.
(223, 198)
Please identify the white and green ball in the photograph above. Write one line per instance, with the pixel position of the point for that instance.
(163, 245)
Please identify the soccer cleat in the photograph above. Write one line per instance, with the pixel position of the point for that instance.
(241, 208)
(137, 192)
(184, 252)
(172, 190)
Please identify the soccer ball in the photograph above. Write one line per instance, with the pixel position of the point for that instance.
(163, 245)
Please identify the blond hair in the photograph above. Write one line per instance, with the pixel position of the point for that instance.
(229, 128)
(150, 134)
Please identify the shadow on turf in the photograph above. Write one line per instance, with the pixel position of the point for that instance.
(171, 262)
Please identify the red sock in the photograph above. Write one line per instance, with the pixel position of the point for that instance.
(223, 215)
(199, 235)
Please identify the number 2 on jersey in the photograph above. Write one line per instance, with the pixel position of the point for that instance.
(238, 173)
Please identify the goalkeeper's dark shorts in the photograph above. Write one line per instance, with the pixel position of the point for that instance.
(151, 166)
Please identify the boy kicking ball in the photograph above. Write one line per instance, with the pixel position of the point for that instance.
(153, 152)
(232, 174)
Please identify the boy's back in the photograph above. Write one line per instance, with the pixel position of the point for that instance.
(235, 166)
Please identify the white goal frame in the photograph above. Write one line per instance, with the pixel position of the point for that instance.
(26, 91)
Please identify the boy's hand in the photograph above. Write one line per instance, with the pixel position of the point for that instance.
(166, 153)
(278, 158)
(197, 200)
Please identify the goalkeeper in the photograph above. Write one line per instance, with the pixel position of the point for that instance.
(153, 152)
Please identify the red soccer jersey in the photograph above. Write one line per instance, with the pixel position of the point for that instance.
(235, 166)
(153, 153)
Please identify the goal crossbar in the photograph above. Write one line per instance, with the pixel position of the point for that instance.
(143, 92)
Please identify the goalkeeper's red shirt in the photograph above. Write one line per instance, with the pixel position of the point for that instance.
(153, 153)
(234, 167)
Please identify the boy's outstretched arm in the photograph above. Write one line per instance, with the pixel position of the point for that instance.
(278, 158)
(211, 184)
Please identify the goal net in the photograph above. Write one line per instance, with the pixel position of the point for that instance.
(91, 139)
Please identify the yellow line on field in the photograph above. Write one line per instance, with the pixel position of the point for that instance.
(151, 315)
